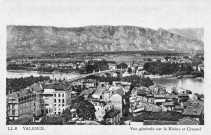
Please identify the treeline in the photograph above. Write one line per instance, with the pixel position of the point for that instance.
(19, 66)
(133, 79)
(16, 84)
(161, 68)
(109, 79)
(96, 66)
(171, 68)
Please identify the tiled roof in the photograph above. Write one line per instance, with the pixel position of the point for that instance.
(160, 96)
(178, 107)
(36, 87)
(55, 86)
(87, 91)
(25, 92)
(170, 96)
(119, 91)
(158, 122)
(112, 113)
(13, 95)
(188, 103)
(183, 95)
(141, 92)
(152, 108)
(157, 86)
(150, 95)
(168, 103)
(194, 109)
(98, 92)
(138, 110)
(188, 121)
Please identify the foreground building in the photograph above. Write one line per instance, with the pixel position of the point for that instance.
(12, 106)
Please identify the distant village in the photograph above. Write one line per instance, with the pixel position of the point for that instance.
(79, 65)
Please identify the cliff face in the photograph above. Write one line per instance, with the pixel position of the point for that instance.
(46, 39)
(190, 33)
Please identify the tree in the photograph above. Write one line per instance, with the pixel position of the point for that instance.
(129, 70)
(122, 65)
(86, 110)
(16, 84)
(96, 66)
(138, 80)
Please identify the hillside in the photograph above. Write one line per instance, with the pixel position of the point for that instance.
(47, 39)
(191, 33)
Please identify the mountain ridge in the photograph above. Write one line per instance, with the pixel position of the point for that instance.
(95, 38)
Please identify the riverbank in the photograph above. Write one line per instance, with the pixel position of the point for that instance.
(54, 75)
(171, 76)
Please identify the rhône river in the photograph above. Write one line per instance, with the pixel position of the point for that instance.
(196, 85)
(18, 74)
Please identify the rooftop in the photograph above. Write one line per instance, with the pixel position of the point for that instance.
(168, 104)
(194, 109)
(112, 113)
(98, 92)
(87, 91)
(55, 86)
(158, 122)
(188, 121)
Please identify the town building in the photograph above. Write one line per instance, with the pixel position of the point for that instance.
(30, 100)
(12, 106)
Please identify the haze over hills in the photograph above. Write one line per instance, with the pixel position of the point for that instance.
(48, 39)
(191, 33)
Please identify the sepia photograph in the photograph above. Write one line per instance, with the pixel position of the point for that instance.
(131, 64)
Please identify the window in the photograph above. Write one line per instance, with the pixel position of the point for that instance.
(59, 95)
(62, 95)
(13, 106)
(54, 100)
(62, 100)
(59, 101)
(54, 95)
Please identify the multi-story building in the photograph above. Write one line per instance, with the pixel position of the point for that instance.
(54, 98)
(37, 100)
(12, 106)
(30, 100)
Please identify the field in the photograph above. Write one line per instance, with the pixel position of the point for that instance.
(127, 58)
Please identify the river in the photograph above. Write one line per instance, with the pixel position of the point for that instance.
(18, 74)
(196, 85)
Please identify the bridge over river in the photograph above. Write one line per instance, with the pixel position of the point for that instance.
(96, 73)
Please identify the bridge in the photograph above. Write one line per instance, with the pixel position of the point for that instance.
(96, 73)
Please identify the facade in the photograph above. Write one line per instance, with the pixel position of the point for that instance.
(112, 117)
(55, 98)
(12, 106)
(116, 101)
(30, 100)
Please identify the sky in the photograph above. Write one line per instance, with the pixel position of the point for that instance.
(75, 13)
